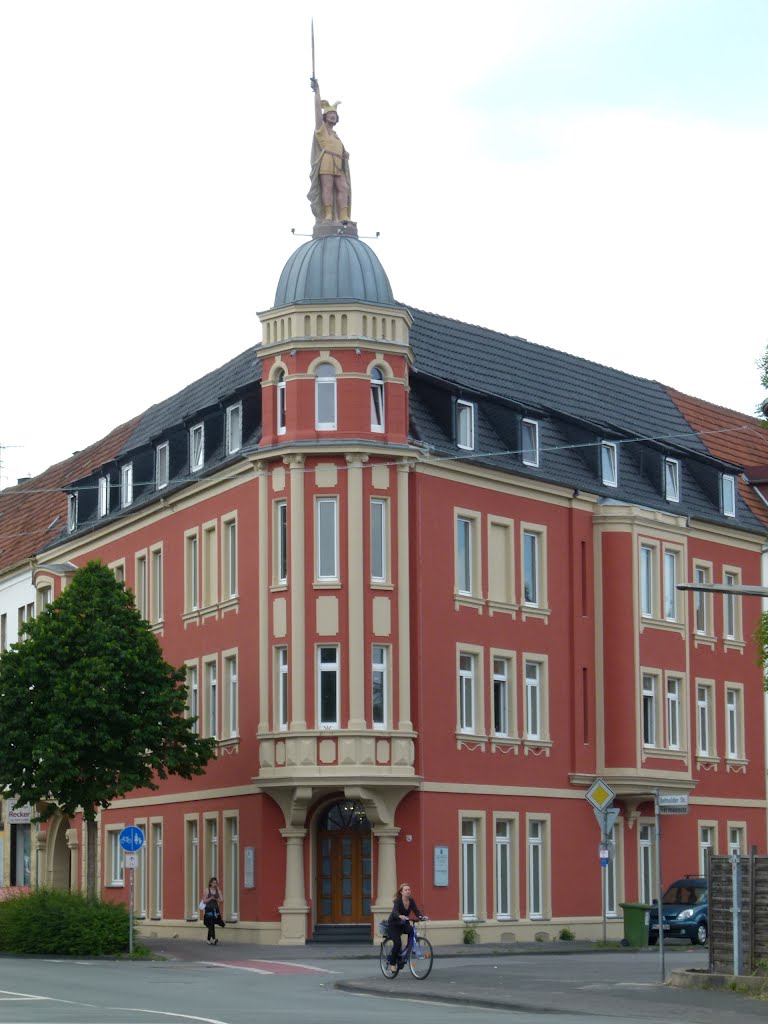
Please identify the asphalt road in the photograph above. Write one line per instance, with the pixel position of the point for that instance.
(234, 984)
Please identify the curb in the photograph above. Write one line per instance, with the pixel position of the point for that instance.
(700, 979)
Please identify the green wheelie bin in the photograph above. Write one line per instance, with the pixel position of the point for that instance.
(635, 924)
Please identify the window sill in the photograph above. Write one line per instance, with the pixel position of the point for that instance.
(537, 747)
(278, 588)
(704, 640)
(666, 624)
(730, 644)
(468, 601)
(471, 741)
(736, 764)
(666, 753)
(529, 611)
(504, 607)
(381, 585)
(326, 585)
(707, 762)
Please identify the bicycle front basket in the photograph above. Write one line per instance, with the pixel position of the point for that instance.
(383, 928)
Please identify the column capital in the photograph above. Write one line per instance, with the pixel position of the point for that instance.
(294, 462)
(355, 459)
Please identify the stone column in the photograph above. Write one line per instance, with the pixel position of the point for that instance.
(403, 600)
(296, 575)
(356, 575)
(386, 874)
(294, 910)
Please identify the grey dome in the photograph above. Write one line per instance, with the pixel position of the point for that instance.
(334, 268)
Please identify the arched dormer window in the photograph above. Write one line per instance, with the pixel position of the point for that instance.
(377, 400)
(325, 397)
(281, 404)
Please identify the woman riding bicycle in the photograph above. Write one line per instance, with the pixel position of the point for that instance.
(399, 922)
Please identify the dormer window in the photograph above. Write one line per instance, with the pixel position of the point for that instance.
(609, 463)
(196, 448)
(325, 397)
(465, 425)
(728, 494)
(103, 496)
(161, 466)
(126, 485)
(234, 428)
(672, 479)
(72, 513)
(377, 400)
(530, 442)
(281, 402)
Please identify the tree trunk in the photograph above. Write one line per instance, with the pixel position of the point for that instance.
(91, 834)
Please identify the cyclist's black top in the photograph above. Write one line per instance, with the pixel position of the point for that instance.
(398, 909)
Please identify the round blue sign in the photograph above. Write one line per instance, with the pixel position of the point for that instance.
(131, 838)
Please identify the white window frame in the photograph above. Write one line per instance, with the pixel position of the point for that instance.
(72, 512)
(647, 874)
(532, 544)
(536, 858)
(465, 542)
(116, 859)
(380, 685)
(732, 607)
(671, 562)
(126, 485)
(470, 863)
(231, 695)
(702, 602)
(379, 552)
(533, 671)
(672, 479)
(734, 722)
(103, 501)
(162, 466)
(281, 542)
(504, 848)
(234, 418)
(467, 682)
(332, 668)
(156, 590)
(707, 844)
(196, 447)
(465, 425)
(281, 407)
(705, 746)
(529, 436)
(326, 561)
(193, 696)
(647, 560)
(156, 869)
(229, 557)
(211, 704)
(649, 720)
(281, 684)
(141, 590)
(674, 699)
(377, 400)
(500, 695)
(609, 463)
(325, 394)
(728, 494)
(737, 840)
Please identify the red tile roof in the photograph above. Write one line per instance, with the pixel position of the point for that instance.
(28, 510)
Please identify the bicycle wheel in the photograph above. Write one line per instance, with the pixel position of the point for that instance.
(420, 959)
(386, 967)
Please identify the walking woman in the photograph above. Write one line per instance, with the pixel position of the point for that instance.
(212, 912)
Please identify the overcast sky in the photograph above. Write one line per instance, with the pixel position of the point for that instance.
(588, 174)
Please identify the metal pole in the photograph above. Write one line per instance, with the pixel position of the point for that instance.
(736, 910)
(660, 887)
(130, 912)
(604, 870)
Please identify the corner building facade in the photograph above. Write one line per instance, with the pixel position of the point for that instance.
(423, 578)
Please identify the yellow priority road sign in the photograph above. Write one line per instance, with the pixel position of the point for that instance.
(600, 795)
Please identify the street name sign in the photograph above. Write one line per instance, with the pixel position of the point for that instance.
(672, 803)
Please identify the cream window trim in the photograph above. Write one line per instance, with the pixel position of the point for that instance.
(502, 583)
(703, 610)
(141, 583)
(734, 740)
(535, 686)
(230, 695)
(534, 570)
(470, 692)
(512, 733)
(648, 581)
(211, 696)
(229, 556)
(472, 872)
(512, 840)
(543, 842)
(192, 570)
(707, 839)
(467, 552)
(156, 584)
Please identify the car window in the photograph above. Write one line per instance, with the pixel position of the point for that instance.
(685, 893)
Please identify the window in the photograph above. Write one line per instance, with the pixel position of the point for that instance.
(328, 687)
(325, 397)
(193, 696)
(211, 850)
(232, 865)
(379, 687)
(234, 428)
(196, 448)
(156, 869)
(533, 729)
(210, 576)
(377, 400)
(156, 585)
(469, 864)
(609, 459)
(674, 687)
(467, 693)
(672, 479)
(161, 466)
(500, 697)
(649, 886)
(731, 608)
(734, 723)
(702, 601)
(464, 551)
(141, 586)
(465, 425)
(378, 540)
(191, 572)
(281, 670)
(707, 846)
(728, 494)
(737, 843)
(535, 869)
(192, 864)
(3, 632)
(504, 848)
(532, 568)
(327, 537)
(115, 857)
(229, 558)
(650, 711)
(126, 485)
(44, 597)
(281, 542)
(705, 746)
(211, 713)
(281, 406)
(530, 442)
(230, 696)
(72, 512)
(646, 581)
(103, 499)
(670, 585)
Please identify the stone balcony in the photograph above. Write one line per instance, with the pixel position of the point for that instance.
(367, 754)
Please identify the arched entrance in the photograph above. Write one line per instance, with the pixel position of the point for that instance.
(344, 865)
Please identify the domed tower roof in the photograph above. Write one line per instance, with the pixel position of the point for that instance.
(334, 268)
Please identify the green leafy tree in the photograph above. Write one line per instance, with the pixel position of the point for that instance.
(89, 709)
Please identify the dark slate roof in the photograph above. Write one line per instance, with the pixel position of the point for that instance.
(332, 269)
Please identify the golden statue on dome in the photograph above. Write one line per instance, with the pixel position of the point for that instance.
(330, 194)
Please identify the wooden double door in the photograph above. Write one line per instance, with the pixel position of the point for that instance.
(344, 846)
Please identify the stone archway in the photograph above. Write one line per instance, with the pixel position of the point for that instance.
(58, 873)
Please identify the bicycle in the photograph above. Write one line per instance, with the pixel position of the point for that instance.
(417, 954)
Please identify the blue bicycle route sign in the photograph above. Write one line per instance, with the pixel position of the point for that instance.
(131, 838)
